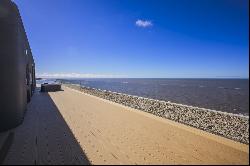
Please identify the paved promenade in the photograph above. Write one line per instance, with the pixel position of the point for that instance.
(70, 127)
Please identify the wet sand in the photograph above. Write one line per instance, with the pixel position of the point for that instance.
(110, 133)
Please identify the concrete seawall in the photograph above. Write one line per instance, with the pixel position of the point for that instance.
(232, 126)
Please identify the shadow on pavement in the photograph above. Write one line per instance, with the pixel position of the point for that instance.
(44, 137)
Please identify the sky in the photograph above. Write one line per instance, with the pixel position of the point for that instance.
(138, 38)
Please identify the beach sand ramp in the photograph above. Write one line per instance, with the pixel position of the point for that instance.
(111, 133)
(44, 137)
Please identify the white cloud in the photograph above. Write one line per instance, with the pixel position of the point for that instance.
(77, 75)
(144, 24)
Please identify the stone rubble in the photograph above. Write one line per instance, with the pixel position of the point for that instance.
(232, 126)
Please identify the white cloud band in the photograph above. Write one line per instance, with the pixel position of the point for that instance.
(144, 24)
(77, 75)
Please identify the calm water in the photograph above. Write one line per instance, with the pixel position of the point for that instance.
(228, 95)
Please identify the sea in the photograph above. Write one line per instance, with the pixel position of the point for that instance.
(227, 95)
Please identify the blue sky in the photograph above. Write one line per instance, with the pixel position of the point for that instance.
(138, 38)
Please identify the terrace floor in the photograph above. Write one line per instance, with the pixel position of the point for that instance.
(70, 127)
(43, 138)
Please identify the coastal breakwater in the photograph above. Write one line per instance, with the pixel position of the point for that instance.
(235, 127)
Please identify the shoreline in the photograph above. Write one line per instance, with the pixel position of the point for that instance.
(185, 105)
(228, 125)
(221, 96)
(178, 104)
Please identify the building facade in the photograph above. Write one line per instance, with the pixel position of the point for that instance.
(17, 67)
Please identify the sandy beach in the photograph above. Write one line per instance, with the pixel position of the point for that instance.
(113, 134)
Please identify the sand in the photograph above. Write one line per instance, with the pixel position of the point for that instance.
(111, 133)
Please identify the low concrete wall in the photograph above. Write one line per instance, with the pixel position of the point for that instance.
(235, 127)
(50, 87)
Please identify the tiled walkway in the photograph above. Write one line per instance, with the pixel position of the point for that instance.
(44, 137)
